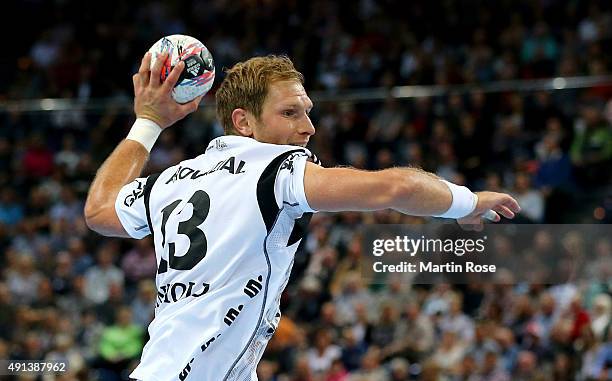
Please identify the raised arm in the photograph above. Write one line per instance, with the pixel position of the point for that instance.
(407, 190)
(155, 110)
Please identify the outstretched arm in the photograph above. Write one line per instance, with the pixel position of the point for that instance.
(407, 190)
(155, 110)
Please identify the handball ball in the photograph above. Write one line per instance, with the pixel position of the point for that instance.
(199, 72)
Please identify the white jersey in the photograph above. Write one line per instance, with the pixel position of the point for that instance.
(226, 226)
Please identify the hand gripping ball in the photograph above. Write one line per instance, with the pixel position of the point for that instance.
(199, 72)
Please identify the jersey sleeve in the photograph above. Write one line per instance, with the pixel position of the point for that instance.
(289, 186)
(130, 208)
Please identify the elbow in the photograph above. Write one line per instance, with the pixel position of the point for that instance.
(89, 213)
(92, 213)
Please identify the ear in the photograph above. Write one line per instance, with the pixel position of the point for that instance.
(241, 122)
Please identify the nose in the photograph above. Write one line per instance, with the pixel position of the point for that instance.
(306, 127)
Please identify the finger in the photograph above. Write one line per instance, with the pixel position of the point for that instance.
(170, 82)
(504, 211)
(155, 78)
(192, 106)
(512, 204)
(137, 83)
(145, 63)
(145, 67)
(491, 215)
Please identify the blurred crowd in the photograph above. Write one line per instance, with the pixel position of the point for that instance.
(83, 50)
(67, 293)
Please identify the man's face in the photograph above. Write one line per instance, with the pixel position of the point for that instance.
(284, 116)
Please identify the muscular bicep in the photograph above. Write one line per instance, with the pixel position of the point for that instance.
(349, 189)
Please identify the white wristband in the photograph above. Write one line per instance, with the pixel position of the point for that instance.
(145, 132)
(464, 201)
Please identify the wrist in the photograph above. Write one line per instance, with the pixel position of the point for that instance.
(145, 132)
(463, 203)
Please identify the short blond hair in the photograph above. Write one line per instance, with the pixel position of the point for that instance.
(246, 86)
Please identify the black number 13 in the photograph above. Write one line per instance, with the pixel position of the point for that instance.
(197, 239)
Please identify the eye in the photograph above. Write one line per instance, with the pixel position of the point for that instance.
(288, 112)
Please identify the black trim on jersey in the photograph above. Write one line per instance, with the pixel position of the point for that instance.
(265, 189)
(147, 197)
(299, 228)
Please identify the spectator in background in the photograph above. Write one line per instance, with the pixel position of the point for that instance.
(456, 321)
(384, 128)
(579, 316)
(555, 167)
(120, 344)
(68, 208)
(37, 159)
(554, 176)
(323, 353)
(106, 312)
(545, 317)
(7, 313)
(62, 277)
(266, 371)
(285, 343)
(601, 322)
(383, 332)
(11, 210)
(591, 149)
(449, 353)
(491, 369)
(308, 304)
(6, 159)
(23, 280)
(52, 185)
(527, 368)
(485, 335)
(467, 370)
(30, 348)
(143, 303)
(302, 370)
(508, 348)
(351, 294)
(100, 277)
(166, 153)
(415, 338)
(531, 200)
(37, 210)
(353, 350)
(140, 262)
(67, 158)
(539, 51)
(81, 259)
(65, 351)
(399, 369)
(370, 368)
(589, 349)
(328, 318)
(337, 372)
(88, 334)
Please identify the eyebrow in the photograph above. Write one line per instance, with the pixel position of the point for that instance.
(297, 105)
